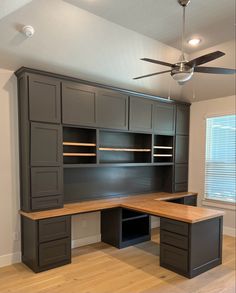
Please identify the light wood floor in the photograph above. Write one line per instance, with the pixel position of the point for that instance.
(100, 268)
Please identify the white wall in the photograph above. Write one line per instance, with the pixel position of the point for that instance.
(9, 170)
(199, 111)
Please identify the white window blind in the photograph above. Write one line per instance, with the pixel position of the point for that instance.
(220, 175)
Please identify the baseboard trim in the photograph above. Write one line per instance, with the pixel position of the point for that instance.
(85, 241)
(9, 259)
(229, 231)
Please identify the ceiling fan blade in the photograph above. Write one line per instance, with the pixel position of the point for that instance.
(157, 62)
(205, 58)
(215, 70)
(152, 74)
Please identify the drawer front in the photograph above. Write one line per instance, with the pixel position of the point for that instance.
(54, 228)
(54, 252)
(47, 202)
(174, 239)
(173, 257)
(174, 226)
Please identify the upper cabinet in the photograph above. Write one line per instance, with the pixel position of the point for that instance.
(141, 114)
(44, 99)
(182, 119)
(164, 118)
(78, 104)
(111, 109)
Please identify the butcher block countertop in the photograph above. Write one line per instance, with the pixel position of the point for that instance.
(150, 203)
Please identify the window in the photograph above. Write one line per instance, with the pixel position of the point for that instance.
(220, 175)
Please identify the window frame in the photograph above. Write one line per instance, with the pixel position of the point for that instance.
(218, 203)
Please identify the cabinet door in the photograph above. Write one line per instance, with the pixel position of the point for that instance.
(181, 149)
(46, 181)
(112, 110)
(181, 173)
(46, 144)
(164, 118)
(182, 119)
(78, 104)
(141, 112)
(44, 99)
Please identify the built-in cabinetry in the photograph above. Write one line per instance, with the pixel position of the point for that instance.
(65, 123)
(187, 248)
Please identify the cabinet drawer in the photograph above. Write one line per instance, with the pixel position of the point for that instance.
(174, 226)
(47, 202)
(174, 258)
(54, 252)
(174, 239)
(54, 228)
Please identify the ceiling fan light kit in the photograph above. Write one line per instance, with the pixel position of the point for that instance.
(183, 70)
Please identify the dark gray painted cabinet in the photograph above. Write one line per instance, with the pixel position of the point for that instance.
(44, 99)
(112, 110)
(141, 114)
(181, 173)
(181, 149)
(46, 243)
(190, 249)
(46, 181)
(164, 118)
(47, 202)
(182, 119)
(78, 104)
(46, 144)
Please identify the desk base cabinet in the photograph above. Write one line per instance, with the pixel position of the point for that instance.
(190, 249)
(46, 244)
(123, 227)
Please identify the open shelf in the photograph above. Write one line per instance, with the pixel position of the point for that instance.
(79, 146)
(129, 215)
(137, 228)
(163, 149)
(124, 147)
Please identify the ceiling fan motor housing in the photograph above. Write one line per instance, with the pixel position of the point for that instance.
(184, 3)
(181, 72)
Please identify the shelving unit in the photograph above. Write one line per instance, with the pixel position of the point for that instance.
(124, 147)
(79, 146)
(163, 149)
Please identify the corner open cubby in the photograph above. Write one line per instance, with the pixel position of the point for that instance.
(163, 149)
(79, 145)
(124, 147)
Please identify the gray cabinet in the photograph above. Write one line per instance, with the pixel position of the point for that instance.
(46, 181)
(164, 118)
(78, 104)
(181, 173)
(46, 202)
(181, 149)
(112, 110)
(141, 114)
(182, 119)
(44, 99)
(46, 144)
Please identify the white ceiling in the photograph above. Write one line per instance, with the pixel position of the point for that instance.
(72, 41)
(212, 20)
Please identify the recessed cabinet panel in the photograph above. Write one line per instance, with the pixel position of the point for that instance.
(181, 173)
(181, 149)
(164, 118)
(78, 104)
(44, 99)
(46, 181)
(141, 111)
(46, 144)
(112, 110)
(182, 119)
(47, 202)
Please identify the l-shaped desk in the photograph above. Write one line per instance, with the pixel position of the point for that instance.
(190, 236)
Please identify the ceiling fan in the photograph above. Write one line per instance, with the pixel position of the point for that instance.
(183, 70)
